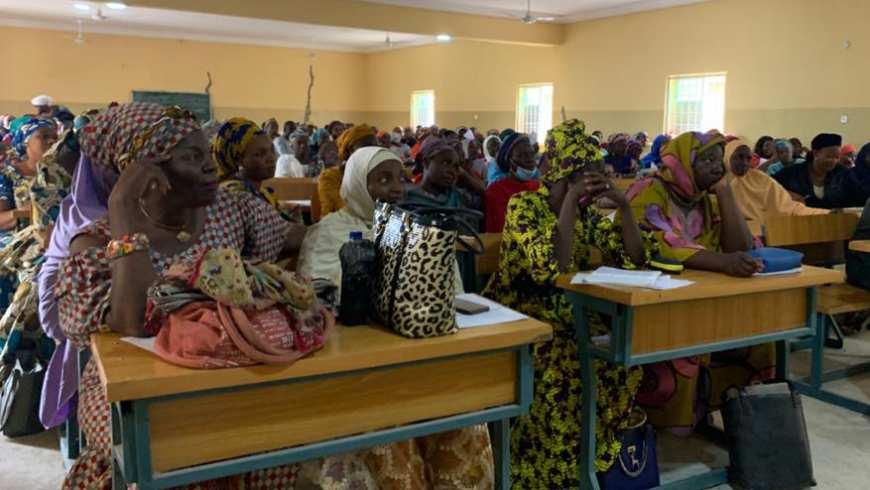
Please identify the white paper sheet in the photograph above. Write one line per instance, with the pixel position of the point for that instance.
(497, 313)
(618, 277)
(146, 343)
(780, 273)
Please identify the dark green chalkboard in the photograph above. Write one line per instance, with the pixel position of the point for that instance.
(197, 103)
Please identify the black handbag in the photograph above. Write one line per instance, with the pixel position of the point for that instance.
(636, 467)
(414, 285)
(767, 438)
(19, 400)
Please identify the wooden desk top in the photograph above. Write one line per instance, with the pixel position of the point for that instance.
(130, 373)
(860, 245)
(707, 285)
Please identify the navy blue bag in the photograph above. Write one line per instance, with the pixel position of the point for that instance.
(777, 259)
(637, 466)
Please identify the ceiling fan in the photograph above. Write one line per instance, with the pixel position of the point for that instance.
(532, 19)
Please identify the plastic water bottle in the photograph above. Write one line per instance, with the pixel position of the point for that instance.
(358, 258)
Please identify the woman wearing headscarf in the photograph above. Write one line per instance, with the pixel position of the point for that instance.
(654, 157)
(31, 139)
(456, 459)
(693, 215)
(491, 145)
(441, 162)
(245, 158)
(848, 153)
(784, 158)
(519, 165)
(294, 163)
(617, 151)
(329, 182)
(548, 233)
(821, 182)
(165, 207)
(758, 196)
(764, 151)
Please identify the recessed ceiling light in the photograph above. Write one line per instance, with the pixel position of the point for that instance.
(82, 6)
(116, 5)
(444, 38)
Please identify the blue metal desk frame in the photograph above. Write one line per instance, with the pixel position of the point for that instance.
(619, 353)
(132, 444)
(812, 385)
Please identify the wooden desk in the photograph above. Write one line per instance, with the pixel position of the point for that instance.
(287, 188)
(860, 246)
(716, 313)
(367, 386)
(472, 265)
(783, 231)
(303, 205)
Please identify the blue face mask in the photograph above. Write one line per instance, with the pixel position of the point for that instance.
(526, 175)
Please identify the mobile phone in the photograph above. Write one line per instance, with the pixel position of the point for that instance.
(470, 308)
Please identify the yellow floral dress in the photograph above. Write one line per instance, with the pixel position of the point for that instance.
(545, 444)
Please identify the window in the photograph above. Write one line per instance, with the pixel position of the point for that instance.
(695, 103)
(422, 108)
(535, 110)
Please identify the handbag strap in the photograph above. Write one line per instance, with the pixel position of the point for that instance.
(457, 215)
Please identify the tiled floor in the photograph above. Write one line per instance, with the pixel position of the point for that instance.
(840, 440)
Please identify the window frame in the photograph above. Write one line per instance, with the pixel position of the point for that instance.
(518, 112)
(669, 78)
(413, 115)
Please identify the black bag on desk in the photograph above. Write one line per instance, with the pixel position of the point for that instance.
(636, 467)
(19, 400)
(767, 438)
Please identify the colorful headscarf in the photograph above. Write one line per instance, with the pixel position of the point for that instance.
(319, 136)
(677, 160)
(504, 152)
(230, 143)
(434, 145)
(126, 133)
(654, 155)
(846, 149)
(350, 137)
(25, 130)
(572, 151)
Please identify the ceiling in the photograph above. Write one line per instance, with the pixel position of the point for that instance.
(137, 21)
(175, 24)
(562, 10)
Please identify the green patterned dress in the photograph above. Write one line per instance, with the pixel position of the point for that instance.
(545, 444)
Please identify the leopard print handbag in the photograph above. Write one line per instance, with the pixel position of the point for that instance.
(414, 286)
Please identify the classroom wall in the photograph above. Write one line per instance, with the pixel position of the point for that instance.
(475, 83)
(788, 72)
(252, 81)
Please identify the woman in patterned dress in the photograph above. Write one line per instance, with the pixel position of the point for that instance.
(245, 158)
(694, 216)
(547, 233)
(152, 151)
